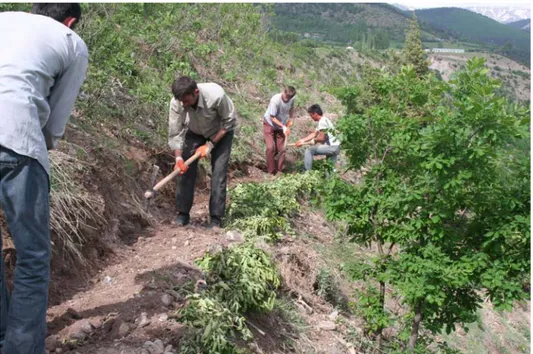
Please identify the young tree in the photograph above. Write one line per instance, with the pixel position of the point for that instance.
(412, 49)
(446, 194)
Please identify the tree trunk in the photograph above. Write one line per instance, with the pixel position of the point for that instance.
(382, 305)
(414, 328)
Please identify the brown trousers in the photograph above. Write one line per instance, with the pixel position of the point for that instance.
(274, 140)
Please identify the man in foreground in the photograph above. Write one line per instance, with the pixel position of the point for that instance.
(276, 127)
(43, 63)
(329, 145)
(202, 119)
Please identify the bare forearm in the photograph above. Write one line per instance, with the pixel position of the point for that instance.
(219, 136)
(309, 137)
(178, 153)
(276, 121)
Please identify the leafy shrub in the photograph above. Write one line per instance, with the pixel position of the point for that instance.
(262, 209)
(244, 278)
(213, 327)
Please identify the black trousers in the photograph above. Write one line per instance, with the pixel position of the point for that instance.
(219, 174)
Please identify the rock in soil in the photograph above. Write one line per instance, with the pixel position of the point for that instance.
(155, 347)
(120, 329)
(167, 300)
(143, 320)
(327, 326)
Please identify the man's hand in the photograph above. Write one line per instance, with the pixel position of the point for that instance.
(286, 130)
(289, 124)
(181, 165)
(299, 143)
(205, 149)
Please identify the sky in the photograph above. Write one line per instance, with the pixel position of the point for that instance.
(420, 4)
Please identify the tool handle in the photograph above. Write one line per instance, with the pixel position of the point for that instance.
(160, 184)
(306, 143)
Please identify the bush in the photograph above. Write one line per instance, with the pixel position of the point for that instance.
(213, 328)
(243, 278)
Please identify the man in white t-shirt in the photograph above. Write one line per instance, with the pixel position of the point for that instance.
(329, 144)
(276, 124)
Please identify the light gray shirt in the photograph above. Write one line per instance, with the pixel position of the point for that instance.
(279, 109)
(214, 111)
(42, 66)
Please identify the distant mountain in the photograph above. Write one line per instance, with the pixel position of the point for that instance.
(403, 7)
(468, 26)
(503, 14)
(524, 25)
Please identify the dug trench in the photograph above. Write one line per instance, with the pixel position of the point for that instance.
(117, 292)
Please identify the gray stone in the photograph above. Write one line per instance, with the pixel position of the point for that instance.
(327, 326)
(95, 322)
(168, 348)
(107, 280)
(163, 317)
(78, 336)
(234, 236)
(160, 345)
(143, 320)
(87, 327)
(154, 348)
(120, 329)
(333, 316)
(167, 300)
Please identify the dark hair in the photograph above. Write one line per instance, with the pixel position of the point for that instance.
(58, 11)
(183, 85)
(290, 91)
(315, 109)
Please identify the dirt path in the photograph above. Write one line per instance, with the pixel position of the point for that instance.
(111, 305)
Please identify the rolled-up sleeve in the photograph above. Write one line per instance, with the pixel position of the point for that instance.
(176, 126)
(62, 98)
(226, 112)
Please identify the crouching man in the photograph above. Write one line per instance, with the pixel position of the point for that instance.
(328, 145)
(201, 119)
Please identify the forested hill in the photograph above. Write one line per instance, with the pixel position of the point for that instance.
(524, 25)
(468, 26)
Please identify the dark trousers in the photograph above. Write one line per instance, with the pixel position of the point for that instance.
(274, 140)
(24, 197)
(219, 174)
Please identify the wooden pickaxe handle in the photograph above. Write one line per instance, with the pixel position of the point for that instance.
(306, 143)
(160, 184)
(291, 145)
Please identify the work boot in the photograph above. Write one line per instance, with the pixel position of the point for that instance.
(214, 222)
(182, 219)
